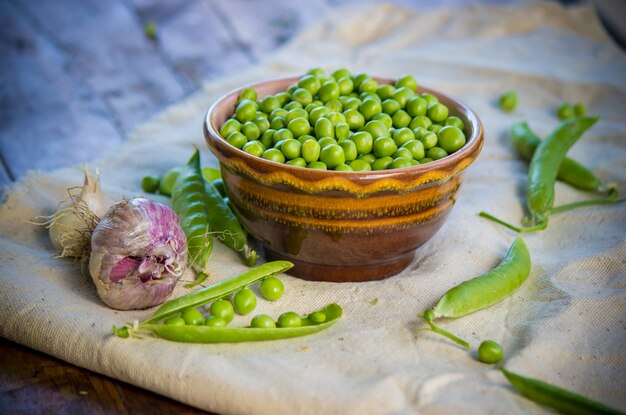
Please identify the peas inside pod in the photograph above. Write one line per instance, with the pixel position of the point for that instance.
(345, 122)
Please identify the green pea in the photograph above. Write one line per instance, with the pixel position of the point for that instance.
(334, 105)
(283, 97)
(317, 165)
(213, 321)
(451, 138)
(402, 152)
(289, 319)
(401, 162)
(260, 114)
(175, 321)
(282, 134)
(269, 104)
(565, 111)
(222, 309)
(311, 151)
(293, 105)
(390, 106)
(273, 154)
(437, 112)
(403, 135)
(429, 140)
(317, 317)
(349, 149)
(369, 108)
(246, 110)
(310, 83)
(342, 131)
(416, 148)
(435, 128)
(255, 147)
(236, 139)
(250, 130)
(385, 91)
(304, 138)
(229, 126)
(363, 141)
(324, 141)
(382, 163)
(384, 118)
(342, 167)
(508, 101)
(324, 128)
(579, 109)
(420, 121)
(425, 160)
(371, 95)
(402, 95)
(150, 183)
(248, 93)
(291, 148)
(299, 127)
(316, 72)
(298, 162)
(401, 119)
(455, 122)
(244, 301)
(369, 157)
(318, 113)
(328, 91)
(359, 78)
(351, 104)
(291, 88)
(271, 288)
(267, 138)
(384, 146)
(310, 107)
(354, 119)
(262, 124)
(419, 131)
(490, 352)
(407, 81)
(278, 123)
(436, 153)
(332, 155)
(368, 85)
(377, 129)
(336, 117)
(296, 113)
(360, 165)
(278, 112)
(416, 106)
(430, 98)
(263, 321)
(192, 317)
(346, 85)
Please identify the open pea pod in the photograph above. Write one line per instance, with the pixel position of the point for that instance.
(205, 334)
(218, 290)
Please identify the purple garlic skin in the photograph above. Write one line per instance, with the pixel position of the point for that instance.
(138, 253)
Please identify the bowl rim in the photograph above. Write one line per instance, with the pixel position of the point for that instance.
(473, 144)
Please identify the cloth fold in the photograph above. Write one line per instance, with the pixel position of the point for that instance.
(564, 326)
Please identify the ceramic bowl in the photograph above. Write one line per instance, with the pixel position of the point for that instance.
(336, 225)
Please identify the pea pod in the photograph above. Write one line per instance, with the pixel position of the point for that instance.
(189, 201)
(223, 220)
(206, 334)
(482, 291)
(525, 141)
(560, 399)
(219, 290)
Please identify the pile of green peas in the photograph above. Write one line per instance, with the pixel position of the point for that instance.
(345, 122)
(243, 302)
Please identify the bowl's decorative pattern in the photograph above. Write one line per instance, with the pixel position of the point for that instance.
(340, 226)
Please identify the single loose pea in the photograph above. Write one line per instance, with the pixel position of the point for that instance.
(368, 85)
(324, 128)
(346, 85)
(508, 101)
(271, 288)
(402, 95)
(248, 93)
(435, 128)
(358, 78)
(316, 72)
(429, 139)
(377, 129)
(293, 105)
(371, 95)
(318, 113)
(342, 167)
(390, 106)
(304, 138)
(384, 146)
(419, 131)
(332, 155)
(328, 91)
(222, 309)
(192, 317)
(166, 184)
(261, 114)
(263, 321)
(354, 119)
(289, 319)
(296, 113)
(416, 105)
(244, 301)
(150, 183)
(382, 163)
(385, 91)
(363, 141)
(430, 98)
(282, 134)
(565, 111)
(213, 321)
(401, 119)
(360, 165)
(175, 321)
(299, 127)
(262, 124)
(437, 112)
(436, 153)
(283, 97)
(334, 105)
(369, 108)
(349, 149)
(425, 160)
(317, 317)
(341, 73)
(342, 131)
(291, 148)
(246, 110)
(278, 123)
(251, 130)
(269, 104)
(273, 154)
(384, 118)
(267, 138)
(237, 139)
(455, 122)
(407, 81)
(255, 147)
(278, 112)
(579, 109)
(350, 103)
(402, 152)
(311, 151)
(369, 157)
(310, 83)
(416, 148)
(420, 121)
(490, 352)
(310, 107)
(317, 165)
(451, 138)
(403, 135)
(298, 162)
(401, 162)
(336, 117)
(229, 126)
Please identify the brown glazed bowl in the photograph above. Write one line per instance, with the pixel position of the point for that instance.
(337, 225)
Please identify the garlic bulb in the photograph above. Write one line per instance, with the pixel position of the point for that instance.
(138, 252)
(70, 227)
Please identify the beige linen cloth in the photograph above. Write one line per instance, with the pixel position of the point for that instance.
(566, 325)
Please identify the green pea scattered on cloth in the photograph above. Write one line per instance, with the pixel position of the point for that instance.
(563, 326)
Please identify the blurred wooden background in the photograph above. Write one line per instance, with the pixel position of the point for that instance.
(75, 77)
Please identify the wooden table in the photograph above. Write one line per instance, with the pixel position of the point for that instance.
(75, 77)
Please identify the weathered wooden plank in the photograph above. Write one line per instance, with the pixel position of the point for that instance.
(194, 38)
(262, 26)
(108, 49)
(31, 382)
(47, 120)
